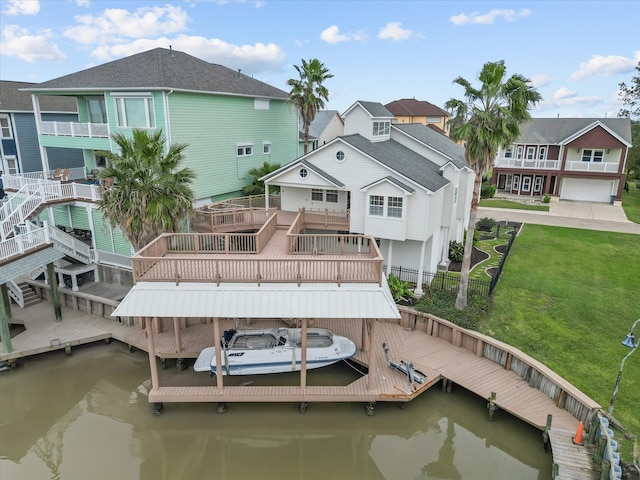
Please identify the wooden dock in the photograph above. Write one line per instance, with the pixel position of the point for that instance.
(571, 462)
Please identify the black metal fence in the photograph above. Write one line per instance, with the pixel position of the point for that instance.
(448, 281)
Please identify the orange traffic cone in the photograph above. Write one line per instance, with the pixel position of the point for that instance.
(577, 440)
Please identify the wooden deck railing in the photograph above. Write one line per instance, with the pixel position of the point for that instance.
(539, 376)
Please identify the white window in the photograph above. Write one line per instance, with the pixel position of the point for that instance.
(531, 153)
(526, 184)
(261, 104)
(381, 128)
(135, 112)
(519, 151)
(340, 156)
(5, 127)
(317, 195)
(433, 119)
(508, 153)
(537, 185)
(589, 155)
(516, 182)
(376, 205)
(455, 196)
(97, 110)
(11, 163)
(542, 153)
(266, 148)
(245, 150)
(332, 196)
(303, 173)
(394, 207)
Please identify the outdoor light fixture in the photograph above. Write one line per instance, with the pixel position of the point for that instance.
(630, 342)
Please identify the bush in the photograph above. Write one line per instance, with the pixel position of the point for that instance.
(487, 190)
(400, 289)
(442, 304)
(546, 199)
(456, 251)
(485, 224)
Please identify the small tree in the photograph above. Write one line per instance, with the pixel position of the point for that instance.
(256, 187)
(144, 192)
(308, 93)
(489, 117)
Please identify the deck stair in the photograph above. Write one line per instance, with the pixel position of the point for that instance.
(23, 294)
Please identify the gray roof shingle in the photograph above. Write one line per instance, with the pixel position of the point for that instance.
(320, 122)
(162, 69)
(14, 100)
(401, 159)
(554, 131)
(376, 109)
(435, 140)
(413, 107)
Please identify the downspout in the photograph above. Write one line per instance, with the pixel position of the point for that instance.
(167, 118)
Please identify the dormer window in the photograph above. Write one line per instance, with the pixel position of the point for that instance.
(381, 128)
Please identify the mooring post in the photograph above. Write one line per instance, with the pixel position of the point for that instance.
(55, 298)
(371, 409)
(222, 407)
(593, 428)
(545, 433)
(599, 453)
(606, 468)
(158, 408)
(492, 405)
(5, 315)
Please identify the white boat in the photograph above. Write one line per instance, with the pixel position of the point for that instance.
(277, 350)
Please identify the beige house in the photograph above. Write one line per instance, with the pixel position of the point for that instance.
(410, 110)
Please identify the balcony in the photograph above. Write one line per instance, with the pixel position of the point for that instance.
(527, 163)
(75, 129)
(592, 167)
(271, 255)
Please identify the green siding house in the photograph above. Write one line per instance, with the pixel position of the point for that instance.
(230, 122)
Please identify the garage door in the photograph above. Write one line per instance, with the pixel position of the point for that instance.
(586, 190)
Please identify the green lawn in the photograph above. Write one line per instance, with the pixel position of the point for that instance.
(568, 297)
(500, 203)
(631, 203)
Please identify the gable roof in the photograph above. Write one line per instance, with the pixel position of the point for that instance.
(413, 107)
(320, 122)
(435, 140)
(12, 99)
(394, 181)
(375, 109)
(401, 159)
(162, 69)
(556, 131)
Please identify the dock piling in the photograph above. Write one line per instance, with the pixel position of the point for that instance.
(492, 406)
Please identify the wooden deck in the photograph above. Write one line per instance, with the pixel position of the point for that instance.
(573, 462)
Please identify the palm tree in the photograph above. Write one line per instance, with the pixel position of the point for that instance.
(256, 187)
(308, 94)
(488, 118)
(143, 191)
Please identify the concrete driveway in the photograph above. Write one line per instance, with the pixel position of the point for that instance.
(563, 213)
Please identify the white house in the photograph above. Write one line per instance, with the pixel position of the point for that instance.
(407, 185)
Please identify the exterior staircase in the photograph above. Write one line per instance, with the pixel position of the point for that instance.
(23, 294)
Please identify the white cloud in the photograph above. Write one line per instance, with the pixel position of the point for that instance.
(250, 59)
(564, 98)
(114, 25)
(540, 80)
(19, 42)
(22, 7)
(332, 35)
(83, 3)
(599, 65)
(489, 18)
(394, 31)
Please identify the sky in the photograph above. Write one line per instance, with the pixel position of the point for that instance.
(575, 53)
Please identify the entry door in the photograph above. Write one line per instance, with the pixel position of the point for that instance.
(10, 165)
(526, 183)
(516, 184)
(537, 185)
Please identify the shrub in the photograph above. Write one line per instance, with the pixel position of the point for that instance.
(487, 190)
(485, 224)
(456, 251)
(546, 199)
(400, 289)
(442, 304)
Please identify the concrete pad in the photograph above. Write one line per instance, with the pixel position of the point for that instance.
(588, 211)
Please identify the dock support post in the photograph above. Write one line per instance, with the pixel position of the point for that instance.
(545, 433)
(55, 298)
(606, 468)
(447, 385)
(158, 408)
(599, 453)
(593, 429)
(222, 407)
(371, 409)
(492, 405)
(303, 407)
(5, 315)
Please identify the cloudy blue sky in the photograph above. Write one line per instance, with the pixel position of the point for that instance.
(575, 52)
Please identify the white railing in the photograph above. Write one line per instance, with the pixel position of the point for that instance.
(75, 129)
(603, 167)
(112, 259)
(70, 245)
(20, 244)
(15, 292)
(525, 163)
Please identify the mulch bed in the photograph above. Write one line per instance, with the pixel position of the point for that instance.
(477, 256)
(501, 248)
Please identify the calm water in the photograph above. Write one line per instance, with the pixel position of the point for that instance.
(87, 417)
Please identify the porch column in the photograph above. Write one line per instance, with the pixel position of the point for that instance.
(55, 299)
(43, 151)
(176, 331)
(5, 315)
(418, 290)
(364, 335)
(266, 196)
(389, 257)
(74, 283)
(303, 357)
(60, 280)
(218, 345)
(372, 377)
(153, 365)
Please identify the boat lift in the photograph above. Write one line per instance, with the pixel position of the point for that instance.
(413, 376)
